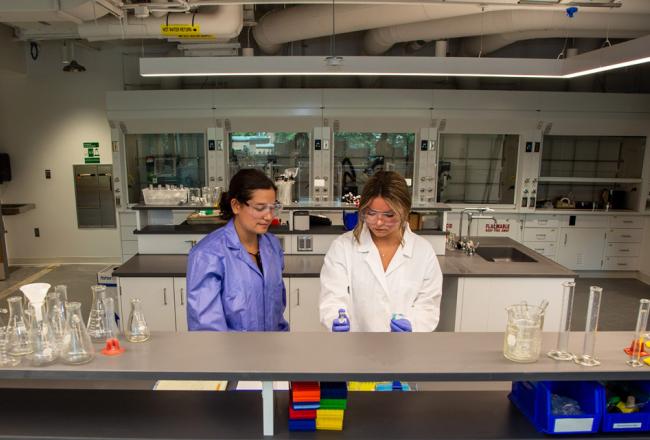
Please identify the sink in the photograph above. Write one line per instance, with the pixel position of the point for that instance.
(504, 255)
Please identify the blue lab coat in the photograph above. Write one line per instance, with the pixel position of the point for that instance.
(226, 291)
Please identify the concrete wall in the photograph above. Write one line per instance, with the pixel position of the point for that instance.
(45, 116)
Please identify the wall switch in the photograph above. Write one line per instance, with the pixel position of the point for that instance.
(37, 232)
(48, 174)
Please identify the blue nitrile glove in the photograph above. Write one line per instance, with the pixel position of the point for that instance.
(342, 323)
(400, 325)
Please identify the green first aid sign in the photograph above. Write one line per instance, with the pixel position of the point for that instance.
(91, 153)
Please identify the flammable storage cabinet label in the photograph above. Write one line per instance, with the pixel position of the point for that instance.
(91, 152)
(189, 31)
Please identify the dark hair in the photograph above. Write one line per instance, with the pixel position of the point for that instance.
(241, 188)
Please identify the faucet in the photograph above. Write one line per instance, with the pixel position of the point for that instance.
(472, 213)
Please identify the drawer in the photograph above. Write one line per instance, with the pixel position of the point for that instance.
(621, 263)
(540, 234)
(541, 221)
(623, 249)
(586, 221)
(545, 248)
(626, 222)
(624, 235)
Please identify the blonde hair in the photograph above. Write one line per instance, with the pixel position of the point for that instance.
(390, 186)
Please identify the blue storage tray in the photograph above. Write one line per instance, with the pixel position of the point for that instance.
(534, 400)
(632, 422)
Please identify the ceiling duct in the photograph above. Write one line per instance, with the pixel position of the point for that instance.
(219, 23)
(75, 11)
(378, 41)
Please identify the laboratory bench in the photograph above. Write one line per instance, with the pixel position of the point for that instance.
(105, 413)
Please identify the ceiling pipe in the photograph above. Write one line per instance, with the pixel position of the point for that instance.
(378, 41)
(474, 46)
(313, 21)
(222, 22)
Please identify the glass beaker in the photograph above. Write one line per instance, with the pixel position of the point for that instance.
(523, 337)
(6, 360)
(44, 346)
(19, 343)
(97, 316)
(137, 329)
(77, 347)
(61, 292)
(55, 312)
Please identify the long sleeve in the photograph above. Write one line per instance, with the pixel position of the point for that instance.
(204, 292)
(334, 284)
(426, 308)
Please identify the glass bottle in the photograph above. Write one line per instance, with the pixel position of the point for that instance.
(19, 343)
(137, 329)
(77, 347)
(44, 346)
(111, 329)
(97, 316)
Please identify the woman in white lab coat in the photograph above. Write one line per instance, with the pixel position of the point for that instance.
(381, 275)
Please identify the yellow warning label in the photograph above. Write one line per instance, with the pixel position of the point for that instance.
(183, 31)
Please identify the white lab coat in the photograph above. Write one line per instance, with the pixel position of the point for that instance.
(353, 278)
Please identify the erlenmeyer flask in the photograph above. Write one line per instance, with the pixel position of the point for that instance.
(137, 329)
(77, 347)
(55, 312)
(19, 343)
(97, 315)
(44, 346)
(61, 292)
(6, 360)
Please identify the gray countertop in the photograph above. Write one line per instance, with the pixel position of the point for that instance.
(185, 228)
(438, 356)
(453, 264)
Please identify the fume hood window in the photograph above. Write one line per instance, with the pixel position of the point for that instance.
(357, 156)
(477, 168)
(164, 159)
(273, 153)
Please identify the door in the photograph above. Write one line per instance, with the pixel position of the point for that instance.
(157, 298)
(180, 300)
(581, 248)
(305, 316)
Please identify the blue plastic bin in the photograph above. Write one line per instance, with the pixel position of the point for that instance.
(350, 219)
(632, 422)
(534, 400)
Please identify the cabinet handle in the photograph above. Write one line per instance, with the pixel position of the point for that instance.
(565, 237)
(542, 222)
(624, 250)
(164, 295)
(297, 297)
(540, 235)
(626, 236)
(622, 264)
(628, 221)
(182, 300)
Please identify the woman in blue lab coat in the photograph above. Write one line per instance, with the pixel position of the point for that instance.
(234, 275)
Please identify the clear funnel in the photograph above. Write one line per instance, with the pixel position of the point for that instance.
(36, 293)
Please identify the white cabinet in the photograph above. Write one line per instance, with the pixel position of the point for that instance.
(581, 248)
(163, 301)
(304, 300)
(540, 234)
(623, 246)
(180, 304)
(157, 298)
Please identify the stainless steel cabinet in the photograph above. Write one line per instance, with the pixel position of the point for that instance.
(94, 196)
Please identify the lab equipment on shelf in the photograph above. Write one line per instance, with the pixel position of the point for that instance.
(523, 336)
(137, 329)
(639, 334)
(164, 196)
(588, 357)
(561, 352)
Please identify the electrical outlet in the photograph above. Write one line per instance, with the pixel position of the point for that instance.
(48, 174)
(37, 232)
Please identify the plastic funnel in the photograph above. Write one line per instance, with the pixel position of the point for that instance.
(35, 293)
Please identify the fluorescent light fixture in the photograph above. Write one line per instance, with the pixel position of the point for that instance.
(621, 55)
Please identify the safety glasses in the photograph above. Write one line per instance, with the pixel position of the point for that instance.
(260, 209)
(373, 217)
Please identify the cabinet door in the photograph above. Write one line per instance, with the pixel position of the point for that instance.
(581, 248)
(180, 303)
(305, 316)
(157, 298)
(287, 308)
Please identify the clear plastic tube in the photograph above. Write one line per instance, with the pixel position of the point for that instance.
(588, 358)
(639, 332)
(561, 352)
